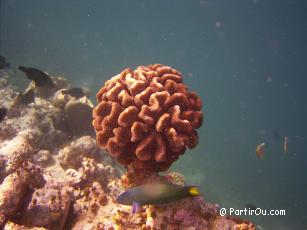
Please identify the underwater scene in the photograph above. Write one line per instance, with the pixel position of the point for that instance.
(153, 115)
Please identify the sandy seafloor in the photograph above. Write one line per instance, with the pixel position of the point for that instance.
(245, 58)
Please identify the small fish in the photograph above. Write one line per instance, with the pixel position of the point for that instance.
(260, 150)
(25, 98)
(251, 206)
(155, 194)
(3, 112)
(285, 144)
(3, 63)
(75, 92)
(40, 78)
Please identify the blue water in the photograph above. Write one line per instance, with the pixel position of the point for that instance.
(246, 59)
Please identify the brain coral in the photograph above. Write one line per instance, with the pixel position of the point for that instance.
(146, 117)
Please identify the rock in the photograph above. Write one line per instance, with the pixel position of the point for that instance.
(73, 177)
(15, 187)
(60, 99)
(90, 171)
(48, 206)
(78, 115)
(12, 191)
(12, 226)
(17, 151)
(43, 157)
(71, 156)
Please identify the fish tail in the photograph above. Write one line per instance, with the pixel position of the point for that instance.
(193, 191)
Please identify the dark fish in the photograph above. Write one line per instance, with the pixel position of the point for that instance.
(3, 63)
(155, 194)
(25, 98)
(3, 112)
(40, 78)
(75, 92)
(251, 206)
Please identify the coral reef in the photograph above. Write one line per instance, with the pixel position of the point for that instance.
(189, 213)
(44, 124)
(31, 136)
(53, 179)
(147, 117)
(49, 205)
(186, 213)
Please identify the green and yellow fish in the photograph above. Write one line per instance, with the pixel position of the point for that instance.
(155, 194)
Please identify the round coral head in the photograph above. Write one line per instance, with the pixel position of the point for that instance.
(146, 118)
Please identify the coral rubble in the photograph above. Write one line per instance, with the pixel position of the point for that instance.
(56, 178)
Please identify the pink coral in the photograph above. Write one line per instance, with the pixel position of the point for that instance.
(147, 117)
(184, 217)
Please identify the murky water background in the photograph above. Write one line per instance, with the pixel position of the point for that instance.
(246, 59)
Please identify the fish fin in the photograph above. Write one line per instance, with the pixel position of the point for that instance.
(194, 191)
(136, 206)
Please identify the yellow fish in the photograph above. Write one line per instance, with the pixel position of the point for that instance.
(155, 194)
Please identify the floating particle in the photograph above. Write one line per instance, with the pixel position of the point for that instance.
(218, 24)
(269, 79)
